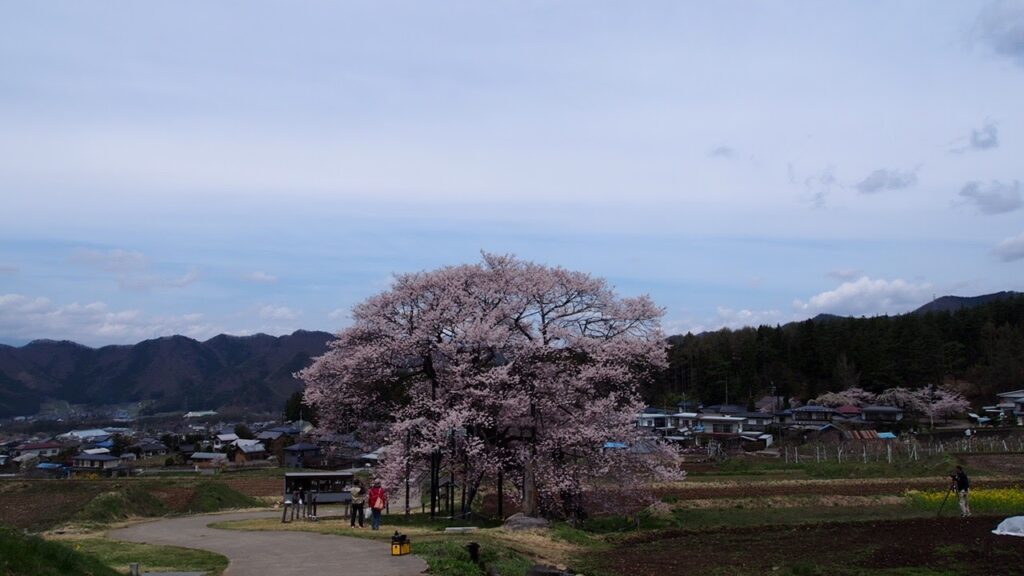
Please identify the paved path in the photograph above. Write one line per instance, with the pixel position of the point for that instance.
(275, 553)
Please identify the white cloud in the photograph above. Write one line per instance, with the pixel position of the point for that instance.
(723, 152)
(118, 260)
(1001, 26)
(885, 179)
(94, 323)
(996, 198)
(277, 313)
(260, 277)
(987, 138)
(340, 314)
(865, 296)
(733, 319)
(1010, 249)
(845, 274)
(131, 268)
(152, 281)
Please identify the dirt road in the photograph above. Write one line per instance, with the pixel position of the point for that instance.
(274, 553)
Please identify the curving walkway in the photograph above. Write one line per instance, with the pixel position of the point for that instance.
(274, 553)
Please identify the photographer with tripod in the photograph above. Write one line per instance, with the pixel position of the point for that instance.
(962, 485)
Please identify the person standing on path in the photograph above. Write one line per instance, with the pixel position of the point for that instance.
(358, 501)
(378, 501)
(962, 485)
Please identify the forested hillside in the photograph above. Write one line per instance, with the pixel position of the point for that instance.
(980, 349)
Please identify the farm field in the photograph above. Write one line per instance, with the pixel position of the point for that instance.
(733, 519)
(762, 520)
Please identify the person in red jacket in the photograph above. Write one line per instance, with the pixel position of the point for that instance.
(378, 500)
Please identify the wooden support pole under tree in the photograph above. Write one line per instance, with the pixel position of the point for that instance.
(501, 494)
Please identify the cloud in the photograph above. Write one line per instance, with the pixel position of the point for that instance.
(723, 152)
(987, 138)
(340, 314)
(95, 323)
(131, 268)
(733, 319)
(8, 269)
(845, 274)
(277, 313)
(1010, 249)
(260, 277)
(865, 296)
(150, 281)
(110, 261)
(996, 198)
(819, 186)
(884, 179)
(1000, 25)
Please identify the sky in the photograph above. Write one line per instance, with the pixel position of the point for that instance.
(236, 167)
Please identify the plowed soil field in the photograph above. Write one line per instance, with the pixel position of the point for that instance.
(943, 545)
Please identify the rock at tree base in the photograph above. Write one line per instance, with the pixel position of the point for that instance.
(521, 521)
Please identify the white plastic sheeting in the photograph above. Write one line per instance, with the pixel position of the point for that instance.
(1012, 526)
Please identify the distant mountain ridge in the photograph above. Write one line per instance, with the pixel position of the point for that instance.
(175, 372)
(954, 303)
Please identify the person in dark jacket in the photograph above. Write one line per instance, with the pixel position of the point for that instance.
(962, 485)
(358, 502)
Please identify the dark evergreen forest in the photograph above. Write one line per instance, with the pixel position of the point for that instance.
(978, 350)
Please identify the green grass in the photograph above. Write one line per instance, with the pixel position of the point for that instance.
(215, 496)
(119, 555)
(577, 536)
(420, 520)
(125, 502)
(22, 555)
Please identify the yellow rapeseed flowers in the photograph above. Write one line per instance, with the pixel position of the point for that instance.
(999, 500)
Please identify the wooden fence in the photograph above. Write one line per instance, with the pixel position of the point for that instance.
(900, 450)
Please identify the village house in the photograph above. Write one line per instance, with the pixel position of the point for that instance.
(149, 447)
(882, 414)
(99, 463)
(301, 455)
(208, 458)
(222, 441)
(812, 414)
(38, 449)
(250, 451)
(1009, 409)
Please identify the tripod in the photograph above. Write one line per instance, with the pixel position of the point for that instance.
(943, 505)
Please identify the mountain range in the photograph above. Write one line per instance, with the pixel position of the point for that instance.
(179, 373)
(172, 373)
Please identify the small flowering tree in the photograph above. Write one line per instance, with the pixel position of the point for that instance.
(941, 402)
(903, 398)
(849, 397)
(502, 370)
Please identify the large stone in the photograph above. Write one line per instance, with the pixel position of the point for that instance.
(521, 521)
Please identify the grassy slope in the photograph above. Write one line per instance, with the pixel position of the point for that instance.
(119, 555)
(22, 555)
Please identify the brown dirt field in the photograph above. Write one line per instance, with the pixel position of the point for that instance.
(952, 544)
(35, 504)
(1007, 464)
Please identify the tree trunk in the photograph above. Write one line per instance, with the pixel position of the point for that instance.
(530, 507)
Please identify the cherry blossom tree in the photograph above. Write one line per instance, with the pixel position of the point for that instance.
(849, 397)
(904, 398)
(941, 402)
(501, 370)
